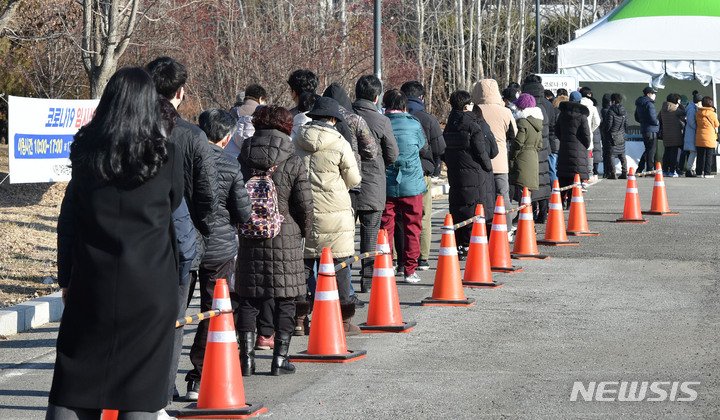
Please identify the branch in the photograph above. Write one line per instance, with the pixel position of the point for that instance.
(7, 15)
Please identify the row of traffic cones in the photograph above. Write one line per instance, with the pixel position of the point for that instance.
(222, 393)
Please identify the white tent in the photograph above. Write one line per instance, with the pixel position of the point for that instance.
(645, 41)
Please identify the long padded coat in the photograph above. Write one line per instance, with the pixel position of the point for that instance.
(615, 126)
(270, 268)
(673, 121)
(469, 166)
(117, 254)
(574, 133)
(549, 115)
(523, 154)
(332, 172)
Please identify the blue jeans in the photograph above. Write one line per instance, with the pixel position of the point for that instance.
(552, 164)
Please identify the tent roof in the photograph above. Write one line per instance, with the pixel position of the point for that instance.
(644, 39)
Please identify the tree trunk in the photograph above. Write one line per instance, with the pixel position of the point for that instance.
(480, 68)
(494, 45)
(7, 15)
(508, 47)
(521, 44)
(460, 37)
(420, 12)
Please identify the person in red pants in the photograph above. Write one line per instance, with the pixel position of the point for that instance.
(404, 181)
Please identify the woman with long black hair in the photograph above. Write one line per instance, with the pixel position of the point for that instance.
(118, 259)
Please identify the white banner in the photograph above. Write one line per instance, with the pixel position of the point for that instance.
(554, 82)
(40, 132)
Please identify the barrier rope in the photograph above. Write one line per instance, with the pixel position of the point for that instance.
(653, 172)
(202, 315)
(356, 258)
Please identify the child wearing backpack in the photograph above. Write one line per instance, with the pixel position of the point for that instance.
(233, 208)
(271, 267)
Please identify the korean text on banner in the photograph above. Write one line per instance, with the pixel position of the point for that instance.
(40, 133)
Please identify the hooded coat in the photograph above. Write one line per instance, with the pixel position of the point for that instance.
(707, 124)
(405, 175)
(574, 133)
(332, 172)
(614, 127)
(469, 167)
(273, 268)
(549, 118)
(673, 122)
(372, 189)
(486, 95)
(523, 154)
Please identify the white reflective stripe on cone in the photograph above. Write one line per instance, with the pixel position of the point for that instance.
(221, 337)
(222, 304)
(480, 220)
(383, 248)
(525, 216)
(326, 269)
(499, 209)
(632, 190)
(329, 295)
(478, 239)
(525, 200)
(578, 200)
(499, 227)
(631, 177)
(448, 251)
(555, 206)
(659, 183)
(383, 272)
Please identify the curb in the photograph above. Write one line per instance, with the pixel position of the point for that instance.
(31, 314)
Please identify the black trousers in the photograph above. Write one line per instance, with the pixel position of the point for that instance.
(283, 317)
(704, 160)
(671, 159)
(342, 277)
(647, 160)
(369, 228)
(209, 273)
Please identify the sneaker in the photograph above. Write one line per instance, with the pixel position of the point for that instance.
(358, 303)
(708, 176)
(511, 236)
(264, 342)
(423, 265)
(163, 415)
(412, 278)
(675, 175)
(193, 391)
(462, 253)
(436, 179)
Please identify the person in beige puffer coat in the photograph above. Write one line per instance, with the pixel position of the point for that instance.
(487, 98)
(332, 172)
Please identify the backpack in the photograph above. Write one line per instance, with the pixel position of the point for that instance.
(265, 219)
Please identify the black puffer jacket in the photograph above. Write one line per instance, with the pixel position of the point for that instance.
(233, 208)
(615, 125)
(433, 135)
(548, 133)
(468, 163)
(573, 130)
(200, 174)
(273, 268)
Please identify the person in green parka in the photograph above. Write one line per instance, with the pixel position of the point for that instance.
(523, 154)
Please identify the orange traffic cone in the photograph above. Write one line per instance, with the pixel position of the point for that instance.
(327, 335)
(447, 290)
(109, 415)
(577, 220)
(222, 394)
(555, 227)
(525, 247)
(632, 213)
(384, 308)
(477, 266)
(499, 244)
(659, 205)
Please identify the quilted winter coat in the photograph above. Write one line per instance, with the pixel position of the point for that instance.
(523, 154)
(707, 124)
(332, 172)
(615, 125)
(270, 268)
(672, 117)
(486, 95)
(574, 133)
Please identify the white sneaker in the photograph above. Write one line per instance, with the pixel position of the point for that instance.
(412, 278)
(163, 415)
(708, 176)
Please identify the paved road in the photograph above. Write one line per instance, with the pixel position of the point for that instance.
(637, 303)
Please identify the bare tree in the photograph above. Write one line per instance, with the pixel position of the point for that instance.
(7, 14)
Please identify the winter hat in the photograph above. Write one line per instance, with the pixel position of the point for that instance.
(649, 89)
(325, 107)
(525, 101)
(510, 94)
(575, 96)
(697, 98)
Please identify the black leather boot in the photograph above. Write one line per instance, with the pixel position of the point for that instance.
(247, 353)
(280, 363)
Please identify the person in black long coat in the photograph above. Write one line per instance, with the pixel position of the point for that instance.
(467, 156)
(273, 268)
(118, 259)
(573, 130)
